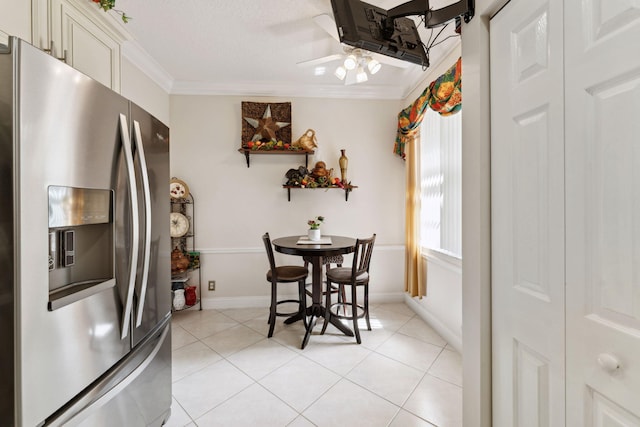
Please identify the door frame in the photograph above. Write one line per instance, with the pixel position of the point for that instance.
(476, 217)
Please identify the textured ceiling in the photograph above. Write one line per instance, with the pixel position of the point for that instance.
(253, 46)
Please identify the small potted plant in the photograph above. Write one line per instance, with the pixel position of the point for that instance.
(314, 228)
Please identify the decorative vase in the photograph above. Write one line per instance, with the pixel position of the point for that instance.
(190, 295)
(343, 161)
(314, 234)
(178, 299)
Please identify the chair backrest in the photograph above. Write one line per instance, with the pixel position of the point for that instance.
(267, 245)
(362, 256)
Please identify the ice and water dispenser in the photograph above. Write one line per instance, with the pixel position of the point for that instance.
(81, 243)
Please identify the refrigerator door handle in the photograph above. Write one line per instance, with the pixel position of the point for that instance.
(146, 188)
(135, 226)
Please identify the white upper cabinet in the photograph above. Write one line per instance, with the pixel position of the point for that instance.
(82, 35)
(15, 20)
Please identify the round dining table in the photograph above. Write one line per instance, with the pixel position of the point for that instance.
(315, 253)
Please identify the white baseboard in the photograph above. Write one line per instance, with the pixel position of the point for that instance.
(264, 301)
(452, 338)
(235, 302)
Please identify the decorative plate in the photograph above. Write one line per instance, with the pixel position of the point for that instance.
(178, 189)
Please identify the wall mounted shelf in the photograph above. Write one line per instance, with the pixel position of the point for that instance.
(347, 189)
(248, 152)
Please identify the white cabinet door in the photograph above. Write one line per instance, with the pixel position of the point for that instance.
(527, 192)
(602, 43)
(75, 34)
(88, 47)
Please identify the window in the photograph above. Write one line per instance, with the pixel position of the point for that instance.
(441, 183)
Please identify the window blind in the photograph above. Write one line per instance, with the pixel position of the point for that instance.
(441, 182)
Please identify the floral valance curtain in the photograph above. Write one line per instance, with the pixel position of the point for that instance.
(443, 95)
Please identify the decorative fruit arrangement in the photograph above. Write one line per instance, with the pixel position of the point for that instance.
(270, 145)
(304, 178)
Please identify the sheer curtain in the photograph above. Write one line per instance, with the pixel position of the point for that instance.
(443, 95)
(414, 282)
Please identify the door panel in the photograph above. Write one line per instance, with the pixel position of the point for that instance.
(603, 212)
(607, 414)
(527, 155)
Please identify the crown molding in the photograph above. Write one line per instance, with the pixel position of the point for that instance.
(287, 89)
(139, 57)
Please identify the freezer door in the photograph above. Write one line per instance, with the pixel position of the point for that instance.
(68, 135)
(152, 302)
(137, 391)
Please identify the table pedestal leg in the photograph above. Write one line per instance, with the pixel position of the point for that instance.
(294, 318)
(317, 309)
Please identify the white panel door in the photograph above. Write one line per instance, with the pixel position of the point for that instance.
(527, 191)
(602, 43)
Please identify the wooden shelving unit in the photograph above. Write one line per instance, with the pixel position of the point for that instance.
(347, 189)
(249, 152)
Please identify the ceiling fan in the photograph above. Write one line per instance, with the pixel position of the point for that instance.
(356, 62)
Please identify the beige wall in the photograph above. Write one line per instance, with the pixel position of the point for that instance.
(139, 88)
(235, 205)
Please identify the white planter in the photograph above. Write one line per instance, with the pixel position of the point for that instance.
(314, 235)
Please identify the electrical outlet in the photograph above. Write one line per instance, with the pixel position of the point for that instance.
(212, 285)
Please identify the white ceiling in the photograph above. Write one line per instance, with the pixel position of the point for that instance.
(252, 47)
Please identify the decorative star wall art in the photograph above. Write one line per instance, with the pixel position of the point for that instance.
(266, 122)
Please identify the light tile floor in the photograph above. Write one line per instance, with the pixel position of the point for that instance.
(227, 373)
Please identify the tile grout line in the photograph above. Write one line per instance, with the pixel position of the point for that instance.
(341, 376)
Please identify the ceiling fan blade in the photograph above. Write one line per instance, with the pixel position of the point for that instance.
(327, 23)
(351, 78)
(322, 60)
(387, 60)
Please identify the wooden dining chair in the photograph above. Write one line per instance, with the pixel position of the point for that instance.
(285, 274)
(355, 276)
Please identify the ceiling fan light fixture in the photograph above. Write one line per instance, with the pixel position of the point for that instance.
(350, 62)
(361, 76)
(340, 72)
(373, 65)
(320, 71)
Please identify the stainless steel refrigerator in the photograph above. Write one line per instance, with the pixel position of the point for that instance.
(85, 302)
